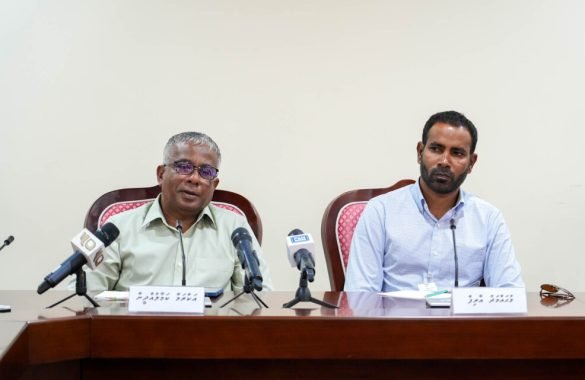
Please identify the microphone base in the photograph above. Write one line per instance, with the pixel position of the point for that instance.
(303, 294)
(80, 290)
(296, 300)
(91, 300)
(248, 289)
(258, 300)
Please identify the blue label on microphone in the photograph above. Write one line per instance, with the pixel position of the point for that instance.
(299, 238)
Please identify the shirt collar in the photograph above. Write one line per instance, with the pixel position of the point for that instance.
(456, 212)
(155, 213)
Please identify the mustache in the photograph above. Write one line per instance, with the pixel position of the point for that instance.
(442, 171)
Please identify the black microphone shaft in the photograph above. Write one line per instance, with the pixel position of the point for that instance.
(305, 263)
(75, 262)
(7, 242)
(180, 229)
(455, 254)
(247, 255)
(66, 268)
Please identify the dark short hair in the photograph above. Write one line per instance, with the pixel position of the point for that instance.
(454, 119)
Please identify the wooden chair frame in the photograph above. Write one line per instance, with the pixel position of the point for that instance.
(149, 193)
(331, 248)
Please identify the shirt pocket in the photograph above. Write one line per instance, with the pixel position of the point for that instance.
(471, 259)
(214, 272)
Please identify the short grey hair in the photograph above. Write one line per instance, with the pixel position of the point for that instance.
(195, 138)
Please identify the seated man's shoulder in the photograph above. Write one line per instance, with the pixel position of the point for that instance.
(227, 215)
(393, 197)
(477, 201)
(481, 206)
(130, 217)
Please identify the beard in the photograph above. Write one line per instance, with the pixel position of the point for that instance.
(441, 180)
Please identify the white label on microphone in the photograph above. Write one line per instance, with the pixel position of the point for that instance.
(296, 242)
(90, 246)
(166, 299)
(489, 301)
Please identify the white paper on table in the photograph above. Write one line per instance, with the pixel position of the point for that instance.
(408, 294)
(111, 295)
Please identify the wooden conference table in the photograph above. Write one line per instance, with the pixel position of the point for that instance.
(369, 336)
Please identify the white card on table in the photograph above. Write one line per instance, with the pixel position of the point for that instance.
(166, 299)
(489, 301)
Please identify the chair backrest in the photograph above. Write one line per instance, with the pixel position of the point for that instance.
(117, 201)
(338, 224)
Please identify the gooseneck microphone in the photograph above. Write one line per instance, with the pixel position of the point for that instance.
(180, 229)
(455, 253)
(88, 250)
(247, 256)
(7, 242)
(299, 247)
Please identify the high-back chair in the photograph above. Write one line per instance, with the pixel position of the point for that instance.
(338, 224)
(117, 201)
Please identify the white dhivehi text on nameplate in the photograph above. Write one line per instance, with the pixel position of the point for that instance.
(489, 301)
(166, 299)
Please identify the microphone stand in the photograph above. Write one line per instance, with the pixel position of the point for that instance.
(10, 239)
(80, 290)
(303, 294)
(248, 289)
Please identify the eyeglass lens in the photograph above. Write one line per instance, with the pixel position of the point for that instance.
(548, 290)
(186, 168)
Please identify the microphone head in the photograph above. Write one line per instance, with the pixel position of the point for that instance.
(91, 245)
(43, 287)
(9, 240)
(295, 232)
(295, 241)
(108, 233)
(240, 234)
(303, 254)
(305, 262)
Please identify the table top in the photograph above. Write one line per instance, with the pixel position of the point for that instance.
(27, 306)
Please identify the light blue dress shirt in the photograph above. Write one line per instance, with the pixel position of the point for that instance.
(399, 244)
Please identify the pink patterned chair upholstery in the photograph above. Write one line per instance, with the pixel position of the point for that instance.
(117, 201)
(338, 224)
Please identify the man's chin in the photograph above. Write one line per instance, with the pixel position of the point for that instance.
(442, 188)
(193, 208)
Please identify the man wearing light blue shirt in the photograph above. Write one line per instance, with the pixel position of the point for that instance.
(408, 238)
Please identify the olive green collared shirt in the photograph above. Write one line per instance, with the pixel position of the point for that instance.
(148, 252)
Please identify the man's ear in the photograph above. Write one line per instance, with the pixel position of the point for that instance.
(419, 150)
(473, 160)
(214, 183)
(159, 173)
